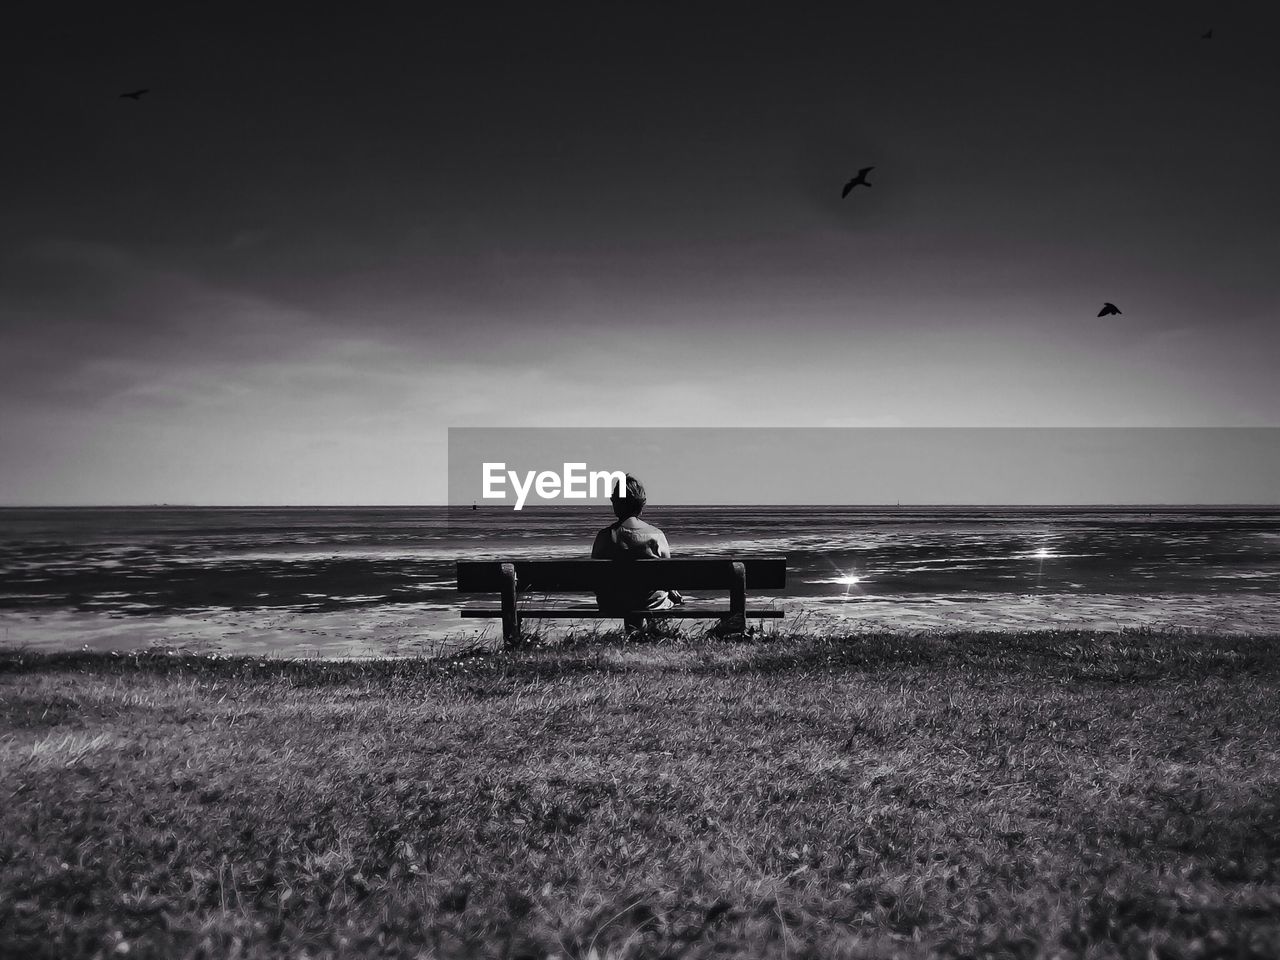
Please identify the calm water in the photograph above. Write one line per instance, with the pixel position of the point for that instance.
(63, 571)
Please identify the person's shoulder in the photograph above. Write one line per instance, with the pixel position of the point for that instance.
(654, 533)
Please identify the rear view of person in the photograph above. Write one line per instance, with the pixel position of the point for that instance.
(630, 538)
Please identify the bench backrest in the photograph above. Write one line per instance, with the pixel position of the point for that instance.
(681, 573)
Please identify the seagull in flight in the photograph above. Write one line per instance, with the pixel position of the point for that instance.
(860, 179)
(134, 94)
(1109, 310)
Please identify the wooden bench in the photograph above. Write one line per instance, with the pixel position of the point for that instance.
(510, 578)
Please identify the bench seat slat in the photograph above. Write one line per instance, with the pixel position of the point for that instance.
(679, 573)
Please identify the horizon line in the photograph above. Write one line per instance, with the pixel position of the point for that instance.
(493, 508)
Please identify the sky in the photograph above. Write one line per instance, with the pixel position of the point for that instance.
(321, 240)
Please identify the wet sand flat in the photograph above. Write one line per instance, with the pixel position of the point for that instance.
(376, 582)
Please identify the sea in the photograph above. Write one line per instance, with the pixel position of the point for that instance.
(380, 581)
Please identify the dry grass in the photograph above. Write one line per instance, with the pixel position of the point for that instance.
(937, 795)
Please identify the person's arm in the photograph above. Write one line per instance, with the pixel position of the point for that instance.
(663, 548)
(664, 551)
(600, 549)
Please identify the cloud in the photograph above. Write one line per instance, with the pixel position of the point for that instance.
(84, 323)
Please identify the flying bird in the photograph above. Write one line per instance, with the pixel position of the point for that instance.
(134, 94)
(1109, 310)
(860, 179)
(1207, 35)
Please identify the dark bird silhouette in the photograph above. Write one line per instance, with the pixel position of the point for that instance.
(1109, 310)
(859, 180)
(134, 94)
(1207, 35)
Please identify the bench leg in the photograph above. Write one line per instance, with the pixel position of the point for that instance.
(736, 622)
(510, 615)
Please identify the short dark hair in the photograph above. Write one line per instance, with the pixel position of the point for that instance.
(630, 503)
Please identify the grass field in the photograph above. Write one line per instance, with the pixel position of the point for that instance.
(1049, 795)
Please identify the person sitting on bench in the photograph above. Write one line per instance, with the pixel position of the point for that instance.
(631, 538)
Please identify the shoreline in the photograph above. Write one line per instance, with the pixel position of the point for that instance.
(432, 629)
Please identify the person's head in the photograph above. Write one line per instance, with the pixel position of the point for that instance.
(630, 502)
